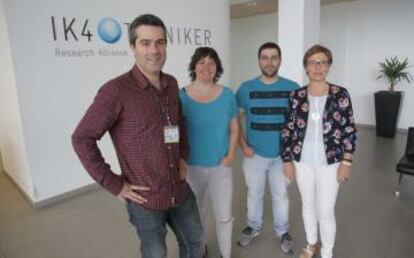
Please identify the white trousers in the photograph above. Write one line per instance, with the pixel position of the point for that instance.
(318, 187)
(218, 183)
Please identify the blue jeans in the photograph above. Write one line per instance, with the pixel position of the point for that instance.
(256, 171)
(183, 219)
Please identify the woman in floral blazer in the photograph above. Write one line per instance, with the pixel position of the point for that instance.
(317, 145)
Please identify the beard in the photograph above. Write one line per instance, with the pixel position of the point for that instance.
(269, 72)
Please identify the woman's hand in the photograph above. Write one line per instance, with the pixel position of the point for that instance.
(227, 160)
(343, 174)
(289, 170)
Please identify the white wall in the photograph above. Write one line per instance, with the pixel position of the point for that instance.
(53, 92)
(13, 150)
(359, 33)
(247, 35)
(378, 29)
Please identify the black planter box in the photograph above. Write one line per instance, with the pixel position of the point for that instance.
(387, 108)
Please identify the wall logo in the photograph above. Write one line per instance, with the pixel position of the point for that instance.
(74, 31)
(71, 34)
(109, 30)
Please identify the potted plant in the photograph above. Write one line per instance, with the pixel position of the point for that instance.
(387, 103)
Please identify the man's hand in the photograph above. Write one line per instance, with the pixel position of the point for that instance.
(248, 152)
(130, 192)
(343, 174)
(289, 170)
(182, 169)
(227, 160)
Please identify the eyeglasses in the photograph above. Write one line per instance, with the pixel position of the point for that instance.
(323, 63)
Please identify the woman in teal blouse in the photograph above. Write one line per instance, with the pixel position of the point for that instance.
(211, 117)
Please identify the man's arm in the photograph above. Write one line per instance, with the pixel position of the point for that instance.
(97, 120)
(247, 150)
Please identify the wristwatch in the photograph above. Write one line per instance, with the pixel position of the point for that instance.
(347, 162)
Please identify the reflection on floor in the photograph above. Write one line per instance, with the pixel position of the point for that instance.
(372, 222)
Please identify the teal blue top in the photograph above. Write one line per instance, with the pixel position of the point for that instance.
(265, 106)
(208, 126)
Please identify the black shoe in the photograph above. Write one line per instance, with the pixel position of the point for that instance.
(248, 235)
(286, 243)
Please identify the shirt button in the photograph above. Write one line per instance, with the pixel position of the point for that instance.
(171, 165)
(169, 147)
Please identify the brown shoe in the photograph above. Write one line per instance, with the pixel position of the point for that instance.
(310, 251)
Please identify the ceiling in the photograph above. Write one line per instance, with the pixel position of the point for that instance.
(246, 8)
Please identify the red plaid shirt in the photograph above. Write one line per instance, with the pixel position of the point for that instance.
(131, 110)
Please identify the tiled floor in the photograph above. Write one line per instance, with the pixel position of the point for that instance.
(372, 222)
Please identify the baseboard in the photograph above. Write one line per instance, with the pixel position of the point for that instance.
(23, 193)
(65, 196)
(373, 127)
(366, 126)
(53, 200)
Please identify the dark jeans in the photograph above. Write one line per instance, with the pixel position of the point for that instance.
(184, 220)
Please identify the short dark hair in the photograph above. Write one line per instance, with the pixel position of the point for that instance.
(317, 49)
(269, 45)
(201, 53)
(145, 19)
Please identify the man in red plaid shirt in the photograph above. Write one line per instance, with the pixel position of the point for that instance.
(141, 111)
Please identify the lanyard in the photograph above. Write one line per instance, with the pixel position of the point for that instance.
(164, 109)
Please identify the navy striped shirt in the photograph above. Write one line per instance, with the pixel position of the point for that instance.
(265, 106)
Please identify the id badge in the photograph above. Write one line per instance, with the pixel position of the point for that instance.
(171, 134)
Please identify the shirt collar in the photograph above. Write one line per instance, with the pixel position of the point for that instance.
(143, 82)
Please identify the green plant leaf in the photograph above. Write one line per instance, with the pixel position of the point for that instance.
(394, 71)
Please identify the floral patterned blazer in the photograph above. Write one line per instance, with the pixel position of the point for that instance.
(339, 132)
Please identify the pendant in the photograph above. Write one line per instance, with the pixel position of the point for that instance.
(315, 116)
